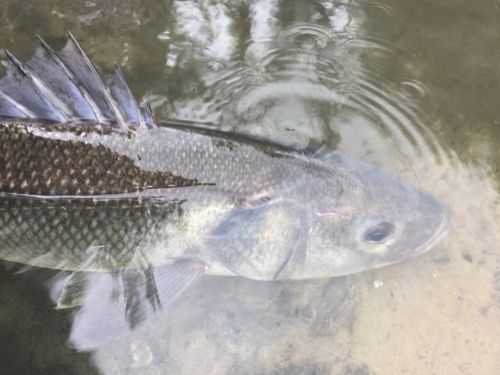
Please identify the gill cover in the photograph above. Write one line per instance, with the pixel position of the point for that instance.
(261, 243)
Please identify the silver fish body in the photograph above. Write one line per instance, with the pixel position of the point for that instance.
(90, 184)
(249, 208)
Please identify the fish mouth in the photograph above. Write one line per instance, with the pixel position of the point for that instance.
(441, 233)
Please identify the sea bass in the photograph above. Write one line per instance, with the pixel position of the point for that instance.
(138, 211)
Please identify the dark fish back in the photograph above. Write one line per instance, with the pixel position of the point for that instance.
(46, 104)
(65, 202)
(40, 165)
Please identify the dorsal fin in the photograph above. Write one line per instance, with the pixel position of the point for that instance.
(64, 87)
(23, 89)
(46, 63)
(10, 109)
(84, 71)
(121, 91)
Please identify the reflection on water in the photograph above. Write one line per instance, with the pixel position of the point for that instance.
(410, 87)
(306, 73)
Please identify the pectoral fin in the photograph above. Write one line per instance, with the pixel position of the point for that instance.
(263, 243)
(114, 304)
(73, 293)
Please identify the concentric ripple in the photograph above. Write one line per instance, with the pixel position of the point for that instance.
(333, 76)
(304, 36)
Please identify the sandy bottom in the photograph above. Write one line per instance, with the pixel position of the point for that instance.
(435, 314)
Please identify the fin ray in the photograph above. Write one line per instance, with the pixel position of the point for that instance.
(65, 87)
(123, 95)
(18, 84)
(150, 115)
(9, 108)
(115, 304)
(84, 71)
(58, 78)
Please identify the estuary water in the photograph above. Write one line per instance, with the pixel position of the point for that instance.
(412, 87)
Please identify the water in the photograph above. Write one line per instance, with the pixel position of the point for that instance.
(409, 86)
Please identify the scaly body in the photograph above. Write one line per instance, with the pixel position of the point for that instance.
(90, 184)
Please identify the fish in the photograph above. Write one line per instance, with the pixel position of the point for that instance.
(137, 211)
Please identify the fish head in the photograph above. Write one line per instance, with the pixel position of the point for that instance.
(362, 218)
(339, 217)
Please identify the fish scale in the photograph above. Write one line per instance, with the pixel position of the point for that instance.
(139, 211)
(31, 164)
(65, 229)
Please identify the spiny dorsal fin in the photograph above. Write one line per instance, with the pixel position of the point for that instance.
(82, 68)
(123, 95)
(64, 87)
(47, 64)
(10, 109)
(43, 89)
(23, 89)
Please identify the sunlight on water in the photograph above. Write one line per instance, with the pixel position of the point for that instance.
(409, 87)
(311, 80)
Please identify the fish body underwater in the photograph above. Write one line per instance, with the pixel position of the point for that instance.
(90, 184)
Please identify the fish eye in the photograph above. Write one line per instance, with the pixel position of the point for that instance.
(379, 233)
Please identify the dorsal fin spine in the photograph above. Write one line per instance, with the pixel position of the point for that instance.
(18, 106)
(99, 116)
(104, 88)
(140, 118)
(151, 115)
(24, 71)
(37, 83)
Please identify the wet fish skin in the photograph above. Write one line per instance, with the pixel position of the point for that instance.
(254, 188)
(329, 221)
(139, 211)
(242, 205)
(116, 225)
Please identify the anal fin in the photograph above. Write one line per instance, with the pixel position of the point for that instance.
(116, 303)
(73, 293)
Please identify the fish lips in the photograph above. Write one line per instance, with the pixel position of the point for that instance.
(445, 228)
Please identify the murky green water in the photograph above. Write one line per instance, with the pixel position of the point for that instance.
(412, 87)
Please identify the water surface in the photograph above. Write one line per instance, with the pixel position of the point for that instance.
(410, 86)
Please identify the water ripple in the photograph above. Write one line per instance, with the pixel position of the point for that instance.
(313, 80)
(304, 36)
(386, 9)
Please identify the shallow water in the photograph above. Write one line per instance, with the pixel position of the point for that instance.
(410, 86)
